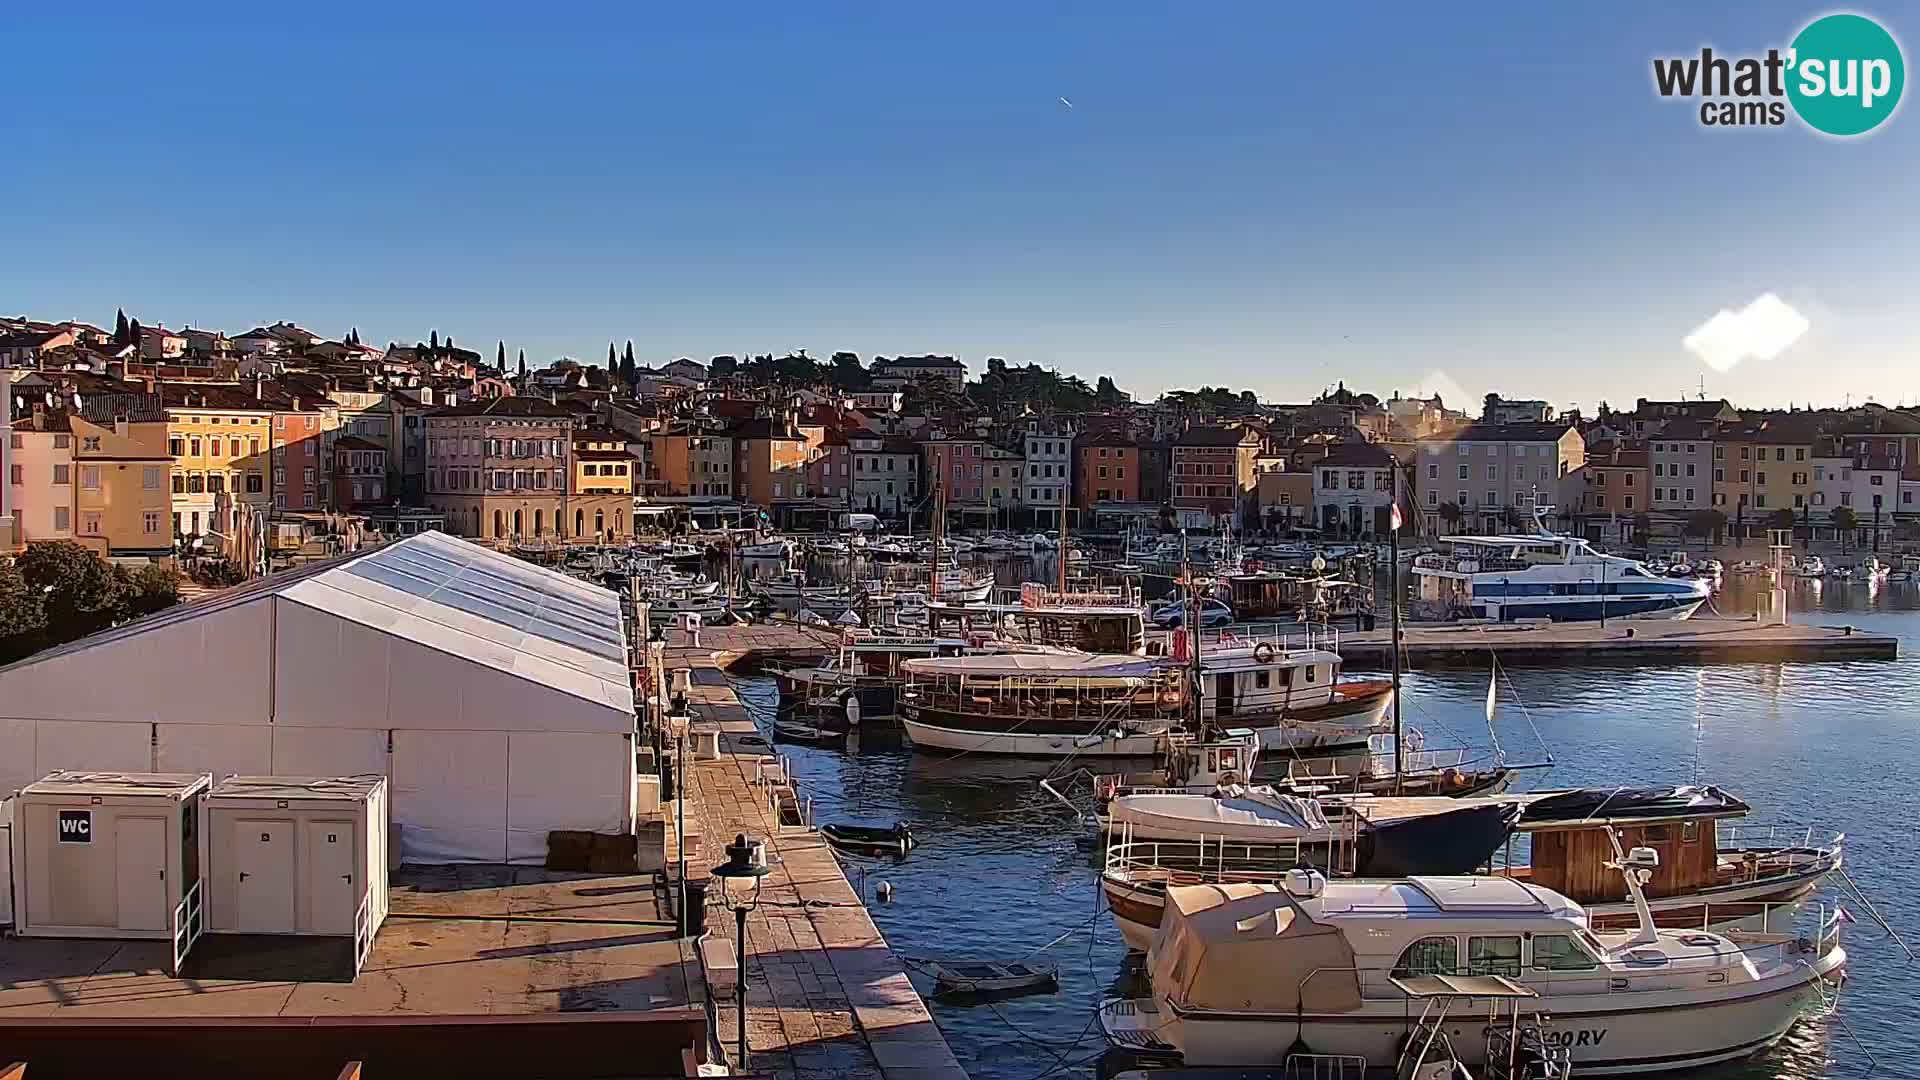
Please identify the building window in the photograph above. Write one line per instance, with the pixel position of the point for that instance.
(61, 521)
(89, 476)
(152, 522)
(90, 523)
(150, 478)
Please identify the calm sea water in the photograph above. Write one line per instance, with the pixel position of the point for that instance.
(1002, 869)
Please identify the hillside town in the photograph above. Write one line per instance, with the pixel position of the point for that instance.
(244, 451)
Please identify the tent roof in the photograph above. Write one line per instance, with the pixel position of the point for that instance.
(448, 595)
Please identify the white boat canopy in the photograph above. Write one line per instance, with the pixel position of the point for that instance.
(1059, 665)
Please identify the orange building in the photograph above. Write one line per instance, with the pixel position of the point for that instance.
(1106, 470)
(771, 461)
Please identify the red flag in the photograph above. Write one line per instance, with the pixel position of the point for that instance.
(1396, 517)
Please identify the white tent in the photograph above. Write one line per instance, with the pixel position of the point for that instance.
(493, 694)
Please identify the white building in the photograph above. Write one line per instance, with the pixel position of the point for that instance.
(1680, 458)
(1049, 448)
(492, 694)
(1353, 490)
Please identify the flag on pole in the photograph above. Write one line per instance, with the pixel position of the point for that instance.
(1395, 519)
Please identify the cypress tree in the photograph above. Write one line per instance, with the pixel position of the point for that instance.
(433, 340)
(613, 364)
(500, 358)
(523, 363)
(120, 325)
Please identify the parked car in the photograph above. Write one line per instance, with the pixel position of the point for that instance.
(1212, 613)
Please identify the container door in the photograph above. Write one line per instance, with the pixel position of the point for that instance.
(140, 873)
(263, 856)
(334, 894)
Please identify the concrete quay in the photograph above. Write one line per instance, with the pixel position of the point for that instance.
(1626, 641)
(826, 997)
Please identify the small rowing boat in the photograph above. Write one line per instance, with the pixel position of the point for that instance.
(988, 977)
(870, 839)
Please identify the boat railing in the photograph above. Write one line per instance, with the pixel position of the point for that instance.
(1206, 861)
(1284, 637)
(1311, 1066)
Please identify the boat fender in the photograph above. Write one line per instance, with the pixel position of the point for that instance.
(1263, 652)
(883, 892)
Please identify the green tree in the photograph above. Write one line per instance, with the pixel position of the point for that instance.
(613, 358)
(151, 588)
(500, 357)
(523, 364)
(1844, 522)
(629, 371)
(721, 367)
(79, 589)
(848, 372)
(1782, 519)
(133, 333)
(433, 340)
(120, 326)
(1706, 523)
(23, 616)
(1450, 513)
(1642, 529)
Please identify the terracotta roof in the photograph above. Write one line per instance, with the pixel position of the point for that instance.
(1215, 436)
(508, 407)
(1504, 433)
(355, 442)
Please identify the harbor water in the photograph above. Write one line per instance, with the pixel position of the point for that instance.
(1002, 869)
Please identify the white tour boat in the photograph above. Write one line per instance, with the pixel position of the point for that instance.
(1545, 576)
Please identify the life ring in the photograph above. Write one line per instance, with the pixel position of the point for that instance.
(1263, 652)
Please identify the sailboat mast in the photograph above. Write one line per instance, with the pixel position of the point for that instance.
(1393, 579)
(1191, 624)
(939, 527)
(1062, 553)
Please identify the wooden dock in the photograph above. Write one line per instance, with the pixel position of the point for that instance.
(825, 994)
(1626, 641)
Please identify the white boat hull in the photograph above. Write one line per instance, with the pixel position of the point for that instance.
(1689, 1030)
(1021, 744)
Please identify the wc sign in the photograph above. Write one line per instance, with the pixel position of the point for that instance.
(76, 826)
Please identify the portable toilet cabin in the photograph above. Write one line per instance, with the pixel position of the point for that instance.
(110, 855)
(298, 856)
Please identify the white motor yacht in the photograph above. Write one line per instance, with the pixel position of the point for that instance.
(1242, 973)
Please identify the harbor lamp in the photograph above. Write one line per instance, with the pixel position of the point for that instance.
(740, 879)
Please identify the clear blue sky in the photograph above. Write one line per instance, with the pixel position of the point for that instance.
(1265, 196)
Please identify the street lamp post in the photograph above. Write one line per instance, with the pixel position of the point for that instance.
(740, 878)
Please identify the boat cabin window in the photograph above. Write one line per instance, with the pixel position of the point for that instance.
(1558, 952)
(1286, 677)
(1312, 672)
(1493, 955)
(1261, 679)
(1690, 832)
(1429, 956)
(1657, 834)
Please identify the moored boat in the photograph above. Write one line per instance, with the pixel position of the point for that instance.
(1238, 970)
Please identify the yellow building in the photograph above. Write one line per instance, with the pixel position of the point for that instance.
(1762, 468)
(121, 489)
(601, 496)
(220, 438)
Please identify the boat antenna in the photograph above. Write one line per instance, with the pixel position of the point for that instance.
(1393, 582)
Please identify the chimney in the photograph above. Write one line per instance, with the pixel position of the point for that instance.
(259, 387)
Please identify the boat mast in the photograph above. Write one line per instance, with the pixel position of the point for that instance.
(1191, 624)
(939, 526)
(1062, 553)
(1393, 580)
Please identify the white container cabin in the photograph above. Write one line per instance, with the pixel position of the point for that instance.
(293, 855)
(110, 855)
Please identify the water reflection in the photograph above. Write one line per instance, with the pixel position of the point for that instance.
(1003, 869)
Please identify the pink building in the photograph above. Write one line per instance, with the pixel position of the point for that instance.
(958, 465)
